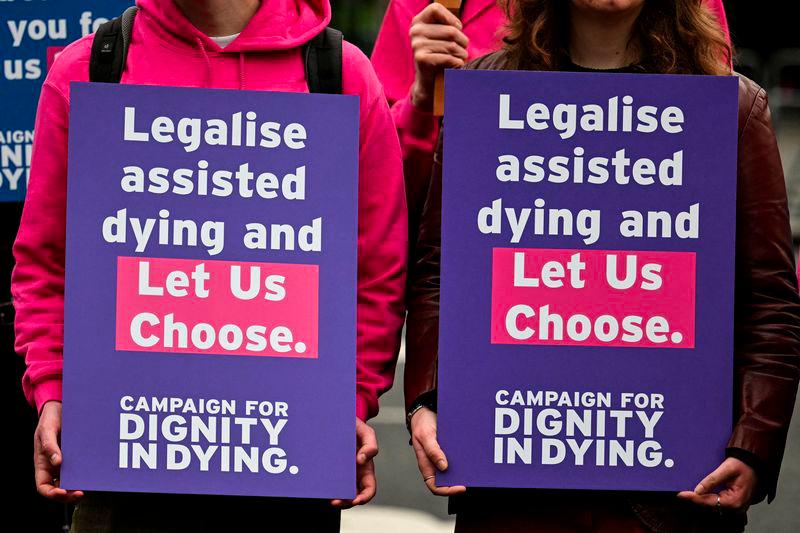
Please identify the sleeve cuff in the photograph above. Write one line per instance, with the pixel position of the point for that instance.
(419, 125)
(746, 457)
(426, 399)
(752, 460)
(362, 408)
(46, 391)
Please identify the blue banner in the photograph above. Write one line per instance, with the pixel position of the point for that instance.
(32, 33)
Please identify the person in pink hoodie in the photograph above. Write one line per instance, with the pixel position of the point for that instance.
(230, 44)
(417, 41)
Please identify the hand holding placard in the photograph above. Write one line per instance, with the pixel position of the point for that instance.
(367, 444)
(430, 458)
(47, 457)
(437, 43)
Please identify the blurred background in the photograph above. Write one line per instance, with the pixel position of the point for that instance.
(768, 46)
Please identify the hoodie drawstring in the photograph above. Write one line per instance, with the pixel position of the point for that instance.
(209, 74)
(241, 70)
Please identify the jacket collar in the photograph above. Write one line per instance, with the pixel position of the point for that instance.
(475, 8)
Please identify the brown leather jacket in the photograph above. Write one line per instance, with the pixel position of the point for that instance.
(767, 305)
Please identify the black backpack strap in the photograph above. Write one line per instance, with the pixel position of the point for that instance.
(323, 62)
(110, 48)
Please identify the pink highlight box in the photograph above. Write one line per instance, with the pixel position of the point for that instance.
(655, 309)
(280, 319)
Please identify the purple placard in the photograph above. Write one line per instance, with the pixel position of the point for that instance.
(214, 355)
(586, 334)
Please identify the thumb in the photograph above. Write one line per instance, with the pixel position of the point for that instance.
(719, 476)
(50, 447)
(367, 443)
(434, 452)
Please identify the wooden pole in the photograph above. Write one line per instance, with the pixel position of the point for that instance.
(454, 6)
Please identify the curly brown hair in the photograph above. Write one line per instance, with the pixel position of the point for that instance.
(674, 37)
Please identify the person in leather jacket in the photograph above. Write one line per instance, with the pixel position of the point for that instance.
(677, 37)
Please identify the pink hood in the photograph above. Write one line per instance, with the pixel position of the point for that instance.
(166, 49)
(278, 25)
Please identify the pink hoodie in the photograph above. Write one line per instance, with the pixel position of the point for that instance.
(393, 60)
(166, 49)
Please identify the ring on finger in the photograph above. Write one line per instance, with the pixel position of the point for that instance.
(425, 479)
(719, 504)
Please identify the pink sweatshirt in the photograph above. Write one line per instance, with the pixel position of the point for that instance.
(393, 60)
(166, 49)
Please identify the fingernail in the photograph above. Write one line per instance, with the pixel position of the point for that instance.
(441, 464)
(362, 458)
(700, 489)
(54, 458)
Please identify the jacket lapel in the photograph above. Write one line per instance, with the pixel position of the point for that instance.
(473, 9)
